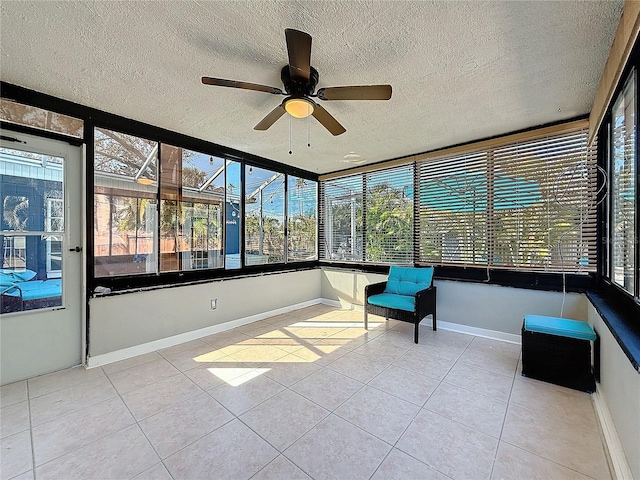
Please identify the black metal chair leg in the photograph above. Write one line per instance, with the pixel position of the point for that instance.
(366, 319)
(415, 335)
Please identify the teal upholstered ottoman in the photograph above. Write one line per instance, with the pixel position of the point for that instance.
(558, 350)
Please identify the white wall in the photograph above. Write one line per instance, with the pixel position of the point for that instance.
(32, 343)
(488, 307)
(121, 321)
(346, 286)
(620, 387)
(502, 309)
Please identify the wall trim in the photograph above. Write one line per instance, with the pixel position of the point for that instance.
(125, 353)
(617, 459)
(453, 327)
(333, 303)
(480, 332)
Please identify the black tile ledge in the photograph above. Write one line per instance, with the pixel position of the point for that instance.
(625, 330)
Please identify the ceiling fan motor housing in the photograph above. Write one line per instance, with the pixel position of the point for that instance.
(299, 89)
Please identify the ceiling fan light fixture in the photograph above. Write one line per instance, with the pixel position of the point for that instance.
(298, 107)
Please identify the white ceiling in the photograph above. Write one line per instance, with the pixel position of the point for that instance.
(460, 71)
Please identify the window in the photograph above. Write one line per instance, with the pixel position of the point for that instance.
(233, 216)
(452, 206)
(342, 231)
(54, 222)
(623, 164)
(125, 204)
(31, 230)
(521, 205)
(264, 216)
(192, 197)
(369, 217)
(389, 216)
(39, 118)
(161, 208)
(527, 205)
(302, 215)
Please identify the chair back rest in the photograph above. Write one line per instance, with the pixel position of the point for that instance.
(408, 280)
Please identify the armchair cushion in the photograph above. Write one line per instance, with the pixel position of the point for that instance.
(408, 281)
(389, 300)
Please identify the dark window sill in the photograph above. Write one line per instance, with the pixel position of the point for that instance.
(544, 281)
(119, 286)
(624, 326)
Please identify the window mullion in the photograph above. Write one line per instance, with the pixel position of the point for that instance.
(158, 222)
(636, 234)
(416, 213)
(365, 196)
(490, 207)
(286, 219)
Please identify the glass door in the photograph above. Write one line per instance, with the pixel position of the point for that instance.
(41, 255)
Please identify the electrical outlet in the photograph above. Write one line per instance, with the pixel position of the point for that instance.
(214, 303)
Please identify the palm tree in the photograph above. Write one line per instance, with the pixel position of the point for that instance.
(15, 212)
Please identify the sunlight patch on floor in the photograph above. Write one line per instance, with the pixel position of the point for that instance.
(299, 342)
(237, 376)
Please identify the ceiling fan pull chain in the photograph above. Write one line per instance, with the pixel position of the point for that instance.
(290, 151)
(308, 134)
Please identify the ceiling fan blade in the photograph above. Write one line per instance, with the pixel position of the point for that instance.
(271, 118)
(221, 82)
(327, 121)
(356, 92)
(299, 49)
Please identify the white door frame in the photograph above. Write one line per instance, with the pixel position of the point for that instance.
(15, 361)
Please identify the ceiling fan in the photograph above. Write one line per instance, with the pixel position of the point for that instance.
(300, 80)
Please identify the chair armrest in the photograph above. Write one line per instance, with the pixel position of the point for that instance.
(426, 300)
(374, 289)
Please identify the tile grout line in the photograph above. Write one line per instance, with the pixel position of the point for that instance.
(504, 420)
(33, 450)
(330, 412)
(551, 461)
(31, 426)
(203, 391)
(453, 420)
(393, 446)
(440, 381)
(137, 423)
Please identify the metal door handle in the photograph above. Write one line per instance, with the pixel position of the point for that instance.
(77, 249)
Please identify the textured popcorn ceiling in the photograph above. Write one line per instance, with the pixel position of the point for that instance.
(460, 71)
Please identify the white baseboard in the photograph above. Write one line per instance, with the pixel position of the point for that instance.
(617, 458)
(123, 354)
(342, 304)
(480, 332)
(454, 327)
(331, 303)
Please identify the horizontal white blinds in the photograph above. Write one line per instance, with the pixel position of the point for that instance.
(526, 205)
(368, 217)
(341, 225)
(452, 209)
(389, 216)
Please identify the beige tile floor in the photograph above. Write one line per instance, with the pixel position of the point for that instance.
(305, 395)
